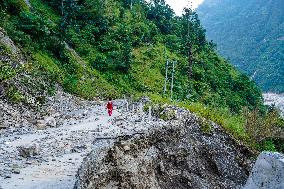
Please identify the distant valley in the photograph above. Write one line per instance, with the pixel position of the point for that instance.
(251, 35)
(275, 99)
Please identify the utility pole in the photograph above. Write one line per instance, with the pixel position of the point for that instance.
(166, 77)
(131, 4)
(189, 61)
(188, 41)
(173, 75)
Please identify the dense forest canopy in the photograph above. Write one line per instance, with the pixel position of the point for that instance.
(249, 33)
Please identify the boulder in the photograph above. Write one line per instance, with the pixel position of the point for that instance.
(126, 148)
(173, 154)
(50, 121)
(40, 124)
(28, 151)
(267, 173)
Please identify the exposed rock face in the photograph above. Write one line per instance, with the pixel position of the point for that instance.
(267, 173)
(4, 39)
(177, 155)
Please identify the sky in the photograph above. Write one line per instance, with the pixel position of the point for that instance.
(178, 5)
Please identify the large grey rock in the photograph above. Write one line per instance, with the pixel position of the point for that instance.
(4, 39)
(28, 151)
(50, 121)
(267, 173)
(176, 155)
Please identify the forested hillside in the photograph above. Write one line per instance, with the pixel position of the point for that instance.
(251, 34)
(111, 48)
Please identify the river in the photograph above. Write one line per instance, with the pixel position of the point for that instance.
(276, 99)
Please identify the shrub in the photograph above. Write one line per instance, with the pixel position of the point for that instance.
(14, 95)
(6, 72)
(36, 26)
(4, 49)
(205, 127)
(17, 6)
(48, 64)
(267, 145)
(261, 127)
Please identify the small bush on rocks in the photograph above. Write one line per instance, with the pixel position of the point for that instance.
(206, 127)
(6, 72)
(264, 129)
(14, 95)
(16, 6)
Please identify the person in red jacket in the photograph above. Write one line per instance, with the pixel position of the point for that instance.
(109, 107)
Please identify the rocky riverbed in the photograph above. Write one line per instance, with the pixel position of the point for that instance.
(275, 99)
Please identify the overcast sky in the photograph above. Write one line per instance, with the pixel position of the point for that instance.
(178, 5)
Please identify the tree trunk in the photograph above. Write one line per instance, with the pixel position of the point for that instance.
(62, 8)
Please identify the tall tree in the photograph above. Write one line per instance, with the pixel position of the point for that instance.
(161, 14)
(193, 36)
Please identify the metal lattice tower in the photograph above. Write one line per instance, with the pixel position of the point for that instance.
(170, 79)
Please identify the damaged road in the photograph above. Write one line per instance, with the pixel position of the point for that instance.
(185, 152)
(49, 157)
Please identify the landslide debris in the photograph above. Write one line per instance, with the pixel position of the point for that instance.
(178, 154)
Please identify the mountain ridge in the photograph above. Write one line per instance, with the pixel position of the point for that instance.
(248, 33)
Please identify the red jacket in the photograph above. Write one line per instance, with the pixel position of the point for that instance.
(109, 105)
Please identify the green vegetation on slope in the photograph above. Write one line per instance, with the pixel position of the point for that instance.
(251, 35)
(110, 48)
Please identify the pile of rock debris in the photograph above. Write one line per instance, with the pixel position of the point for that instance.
(178, 154)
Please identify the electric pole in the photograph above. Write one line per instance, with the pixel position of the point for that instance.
(131, 4)
(189, 14)
(173, 75)
(166, 77)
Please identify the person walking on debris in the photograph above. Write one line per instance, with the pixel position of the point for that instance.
(109, 107)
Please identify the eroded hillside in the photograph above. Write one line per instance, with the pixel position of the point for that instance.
(186, 152)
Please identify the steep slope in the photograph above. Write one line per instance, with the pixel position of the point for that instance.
(250, 34)
(97, 49)
(110, 48)
(102, 48)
